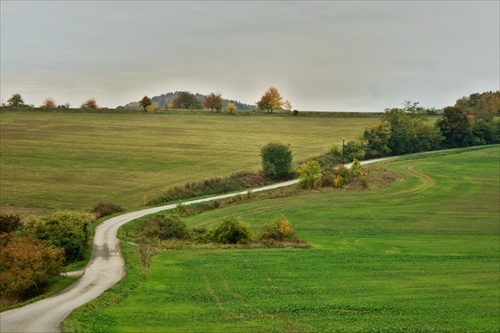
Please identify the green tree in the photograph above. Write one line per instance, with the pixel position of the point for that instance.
(455, 127)
(376, 138)
(66, 229)
(15, 101)
(277, 161)
(186, 100)
(145, 102)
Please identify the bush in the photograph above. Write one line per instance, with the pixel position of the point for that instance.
(310, 175)
(230, 231)
(280, 229)
(26, 266)
(106, 208)
(165, 226)
(66, 229)
(9, 223)
(277, 161)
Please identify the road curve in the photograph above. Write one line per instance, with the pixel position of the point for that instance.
(105, 269)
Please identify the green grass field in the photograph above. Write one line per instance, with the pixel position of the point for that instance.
(422, 255)
(61, 160)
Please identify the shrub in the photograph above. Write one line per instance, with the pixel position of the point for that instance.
(230, 231)
(164, 226)
(355, 169)
(26, 265)
(338, 181)
(9, 223)
(310, 175)
(106, 208)
(66, 229)
(277, 161)
(280, 229)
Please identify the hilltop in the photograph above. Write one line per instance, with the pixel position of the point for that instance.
(164, 99)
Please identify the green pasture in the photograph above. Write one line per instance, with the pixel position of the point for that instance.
(61, 160)
(422, 255)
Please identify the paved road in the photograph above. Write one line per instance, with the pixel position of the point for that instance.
(105, 268)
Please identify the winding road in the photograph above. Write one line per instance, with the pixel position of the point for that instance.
(105, 268)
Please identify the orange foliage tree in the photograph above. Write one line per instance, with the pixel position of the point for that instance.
(271, 100)
(26, 265)
(214, 102)
(49, 103)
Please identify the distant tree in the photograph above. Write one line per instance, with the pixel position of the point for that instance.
(481, 105)
(287, 105)
(455, 127)
(186, 100)
(15, 101)
(271, 100)
(214, 102)
(90, 104)
(145, 102)
(49, 103)
(277, 161)
(231, 108)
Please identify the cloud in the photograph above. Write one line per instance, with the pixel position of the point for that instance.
(321, 55)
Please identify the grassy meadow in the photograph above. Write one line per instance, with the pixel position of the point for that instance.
(421, 255)
(66, 160)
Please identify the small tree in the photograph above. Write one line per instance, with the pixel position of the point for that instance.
(145, 102)
(231, 108)
(15, 101)
(310, 175)
(49, 103)
(277, 161)
(214, 102)
(271, 100)
(89, 104)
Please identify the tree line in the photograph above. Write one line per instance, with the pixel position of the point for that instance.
(270, 100)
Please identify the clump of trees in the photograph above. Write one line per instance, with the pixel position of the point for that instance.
(32, 254)
(472, 121)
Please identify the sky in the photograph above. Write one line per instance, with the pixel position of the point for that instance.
(320, 55)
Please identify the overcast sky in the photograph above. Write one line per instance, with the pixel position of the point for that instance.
(321, 55)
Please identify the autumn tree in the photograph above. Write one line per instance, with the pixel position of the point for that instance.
(15, 101)
(214, 102)
(271, 100)
(145, 102)
(89, 104)
(231, 108)
(186, 100)
(27, 265)
(49, 103)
